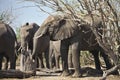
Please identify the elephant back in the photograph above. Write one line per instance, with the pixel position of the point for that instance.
(6, 29)
(3, 29)
(89, 19)
(11, 31)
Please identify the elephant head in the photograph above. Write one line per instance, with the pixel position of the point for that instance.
(27, 32)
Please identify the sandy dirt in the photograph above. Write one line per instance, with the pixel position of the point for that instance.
(88, 74)
(111, 77)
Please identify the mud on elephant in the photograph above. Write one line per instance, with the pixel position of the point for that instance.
(72, 33)
(8, 42)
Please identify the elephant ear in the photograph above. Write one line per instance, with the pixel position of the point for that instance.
(43, 29)
(66, 29)
(33, 27)
(58, 28)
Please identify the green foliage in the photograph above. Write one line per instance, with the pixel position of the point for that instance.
(86, 58)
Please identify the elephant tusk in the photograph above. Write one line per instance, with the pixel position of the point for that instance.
(20, 48)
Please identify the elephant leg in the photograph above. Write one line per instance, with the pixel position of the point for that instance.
(50, 58)
(95, 53)
(6, 63)
(1, 58)
(64, 55)
(76, 59)
(106, 59)
(53, 63)
(22, 62)
(47, 58)
(70, 63)
(37, 61)
(57, 59)
(41, 61)
(12, 61)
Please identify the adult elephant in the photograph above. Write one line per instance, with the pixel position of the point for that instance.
(8, 42)
(27, 32)
(71, 33)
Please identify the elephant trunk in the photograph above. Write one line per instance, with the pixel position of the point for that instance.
(24, 46)
(40, 45)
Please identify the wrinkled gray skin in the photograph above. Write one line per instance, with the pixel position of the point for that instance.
(27, 32)
(7, 45)
(54, 54)
(78, 37)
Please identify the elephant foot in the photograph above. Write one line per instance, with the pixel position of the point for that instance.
(65, 73)
(76, 75)
(56, 68)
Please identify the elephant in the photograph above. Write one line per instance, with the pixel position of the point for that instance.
(27, 32)
(8, 42)
(72, 33)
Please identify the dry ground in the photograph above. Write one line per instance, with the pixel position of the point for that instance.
(111, 77)
(88, 74)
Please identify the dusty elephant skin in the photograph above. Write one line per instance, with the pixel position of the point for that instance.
(7, 45)
(61, 27)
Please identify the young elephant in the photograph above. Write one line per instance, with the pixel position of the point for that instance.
(8, 42)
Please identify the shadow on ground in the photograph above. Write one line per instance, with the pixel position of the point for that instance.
(86, 72)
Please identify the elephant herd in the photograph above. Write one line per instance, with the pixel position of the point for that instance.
(58, 36)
